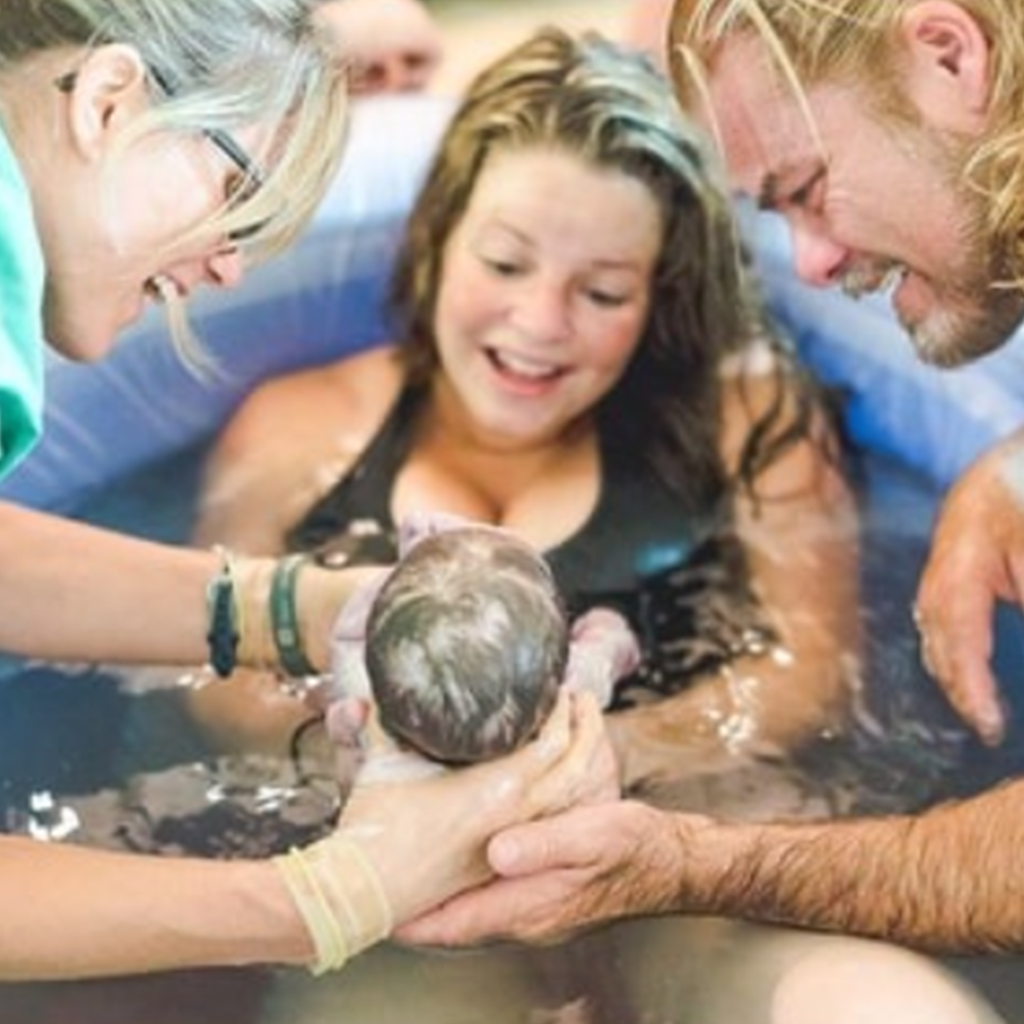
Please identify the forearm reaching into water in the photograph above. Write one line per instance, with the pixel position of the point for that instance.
(75, 592)
(944, 881)
(805, 572)
(398, 849)
(71, 912)
(800, 533)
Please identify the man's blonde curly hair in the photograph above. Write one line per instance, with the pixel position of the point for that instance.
(811, 41)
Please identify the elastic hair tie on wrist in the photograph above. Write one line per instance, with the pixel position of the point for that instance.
(284, 619)
(222, 617)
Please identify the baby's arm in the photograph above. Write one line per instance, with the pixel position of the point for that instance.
(602, 650)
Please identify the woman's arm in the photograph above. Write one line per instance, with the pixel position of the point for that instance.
(74, 592)
(71, 592)
(72, 912)
(289, 442)
(799, 532)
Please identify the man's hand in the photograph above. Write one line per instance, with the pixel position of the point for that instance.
(977, 559)
(580, 868)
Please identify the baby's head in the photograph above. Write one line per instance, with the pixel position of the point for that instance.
(466, 645)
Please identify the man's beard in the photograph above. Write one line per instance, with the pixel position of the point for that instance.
(975, 314)
(976, 310)
(950, 338)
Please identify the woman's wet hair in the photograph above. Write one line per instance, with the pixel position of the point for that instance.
(217, 68)
(466, 645)
(614, 110)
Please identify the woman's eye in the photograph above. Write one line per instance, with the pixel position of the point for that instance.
(601, 297)
(239, 188)
(503, 268)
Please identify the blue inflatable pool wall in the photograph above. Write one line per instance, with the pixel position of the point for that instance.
(325, 297)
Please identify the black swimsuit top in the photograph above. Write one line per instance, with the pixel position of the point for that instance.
(637, 551)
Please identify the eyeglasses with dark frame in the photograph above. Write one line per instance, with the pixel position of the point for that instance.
(253, 177)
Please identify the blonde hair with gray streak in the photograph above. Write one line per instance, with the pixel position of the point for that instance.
(230, 64)
(811, 41)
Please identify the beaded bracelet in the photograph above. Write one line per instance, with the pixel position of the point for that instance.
(222, 616)
(284, 619)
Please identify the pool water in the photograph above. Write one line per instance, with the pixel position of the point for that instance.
(110, 757)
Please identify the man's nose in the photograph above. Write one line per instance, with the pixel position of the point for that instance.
(817, 258)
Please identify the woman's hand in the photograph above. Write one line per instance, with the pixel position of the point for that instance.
(405, 846)
(427, 838)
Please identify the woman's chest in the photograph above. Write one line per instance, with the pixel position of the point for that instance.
(544, 498)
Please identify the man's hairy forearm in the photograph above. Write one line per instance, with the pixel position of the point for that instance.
(950, 880)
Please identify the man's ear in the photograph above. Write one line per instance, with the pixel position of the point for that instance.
(947, 65)
(109, 89)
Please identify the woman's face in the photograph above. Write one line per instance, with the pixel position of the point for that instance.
(545, 290)
(116, 243)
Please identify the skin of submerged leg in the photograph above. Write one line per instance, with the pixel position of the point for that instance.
(701, 970)
(849, 981)
(726, 971)
(393, 985)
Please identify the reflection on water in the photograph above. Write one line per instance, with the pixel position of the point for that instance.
(111, 758)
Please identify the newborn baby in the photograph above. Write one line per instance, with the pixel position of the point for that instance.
(463, 645)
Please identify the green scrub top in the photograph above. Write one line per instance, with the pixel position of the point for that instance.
(22, 276)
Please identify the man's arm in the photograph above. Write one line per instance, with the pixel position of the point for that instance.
(943, 881)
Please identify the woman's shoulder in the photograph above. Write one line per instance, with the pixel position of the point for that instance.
(348, 389)
(346, 398)
(765, 390)
(759, 356)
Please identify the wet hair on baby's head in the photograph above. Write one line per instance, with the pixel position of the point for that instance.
(466, 645)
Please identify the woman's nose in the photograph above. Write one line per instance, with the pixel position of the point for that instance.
(225, 268)
(543, 311)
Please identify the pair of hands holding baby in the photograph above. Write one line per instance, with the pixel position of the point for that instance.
(414, 832)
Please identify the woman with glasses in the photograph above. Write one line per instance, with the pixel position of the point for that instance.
(146, 149)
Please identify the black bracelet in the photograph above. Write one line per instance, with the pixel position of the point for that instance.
(222, 634)
(284, 619)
